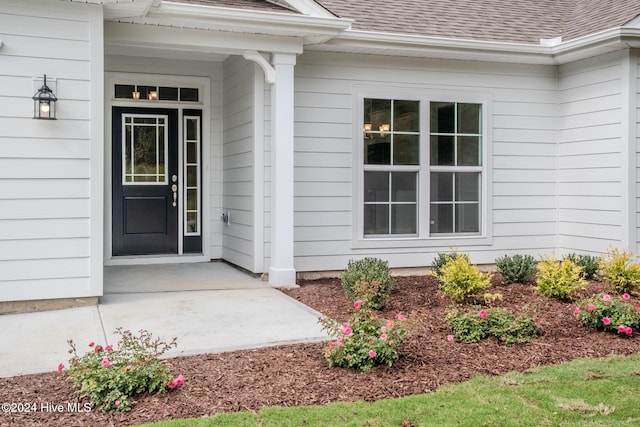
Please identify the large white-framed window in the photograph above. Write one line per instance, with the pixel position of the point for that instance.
(422, 167)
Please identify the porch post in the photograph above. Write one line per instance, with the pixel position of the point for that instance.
(281, 270)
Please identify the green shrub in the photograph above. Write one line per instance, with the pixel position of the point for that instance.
(590, 265)
(559, 279)
(476, 324)
(111, 377)
(442, 258)
(460, 280)
(368, 279)
(619, 269)
(365, 340)
(516, 268)
(606, 313)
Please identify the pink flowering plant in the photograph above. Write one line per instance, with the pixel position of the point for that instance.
(476, 323)
(611, 313)
(110, 377)
(365, 340)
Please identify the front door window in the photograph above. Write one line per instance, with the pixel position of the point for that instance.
(144, 148)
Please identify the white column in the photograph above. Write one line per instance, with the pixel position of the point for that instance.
(281, 270)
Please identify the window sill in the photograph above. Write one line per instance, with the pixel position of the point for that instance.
(431, 242)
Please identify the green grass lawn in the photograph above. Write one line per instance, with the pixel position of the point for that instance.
(602, 392)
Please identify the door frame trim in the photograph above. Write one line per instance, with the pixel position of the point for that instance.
(203, 83)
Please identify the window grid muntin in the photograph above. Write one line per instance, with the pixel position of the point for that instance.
(129, 121)
(192, 189)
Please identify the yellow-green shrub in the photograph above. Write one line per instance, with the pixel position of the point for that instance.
(560, 279)
(619, 269)
(460, 280)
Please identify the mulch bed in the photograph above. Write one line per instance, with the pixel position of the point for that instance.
(294, 375)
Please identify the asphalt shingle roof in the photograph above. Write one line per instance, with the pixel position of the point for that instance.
(517, 21)
(520, 21)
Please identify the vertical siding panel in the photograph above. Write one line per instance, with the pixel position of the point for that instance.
(48, 167)
(590, 140)
(238, 161)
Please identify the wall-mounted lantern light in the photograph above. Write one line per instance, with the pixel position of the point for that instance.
(44, 103)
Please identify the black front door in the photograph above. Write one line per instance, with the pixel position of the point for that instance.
(145, 181)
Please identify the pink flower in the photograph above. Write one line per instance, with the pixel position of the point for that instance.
(340, 343)
(332, 345)
(629, 330)
(177, 382)
(637, 307)
(383, 337)
(91, 344)
(117, 403)
(389, 324)
(482, 313)
(626, 296)
(622, 329)
(105, 363)
(591, 307)
(346, 329)
(372, 354)
(60, 367)
(358, 303)
(391, 342)
(577, 310)
(606, 321)
(109, 347)
(401, 318)
(450, 338)
(607, 297)
(383, 329)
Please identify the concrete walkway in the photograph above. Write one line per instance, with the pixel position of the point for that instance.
(209, 307)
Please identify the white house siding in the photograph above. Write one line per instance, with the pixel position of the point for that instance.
(213, 71)
(635, 116)
(523, 141)
(50, 238)
(238, 154)
(590, 162)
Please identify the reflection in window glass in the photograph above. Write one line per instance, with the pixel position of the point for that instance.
(391, 132)
(189, 94)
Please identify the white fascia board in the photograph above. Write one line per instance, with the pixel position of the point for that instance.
(312, 28)
(434, 47)
(596, 44)
(354, 41)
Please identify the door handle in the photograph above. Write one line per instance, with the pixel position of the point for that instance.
(174, 188)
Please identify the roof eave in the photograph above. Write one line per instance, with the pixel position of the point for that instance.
(313, 29)
(353, 41)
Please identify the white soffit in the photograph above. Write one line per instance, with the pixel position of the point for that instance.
(116, 9)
